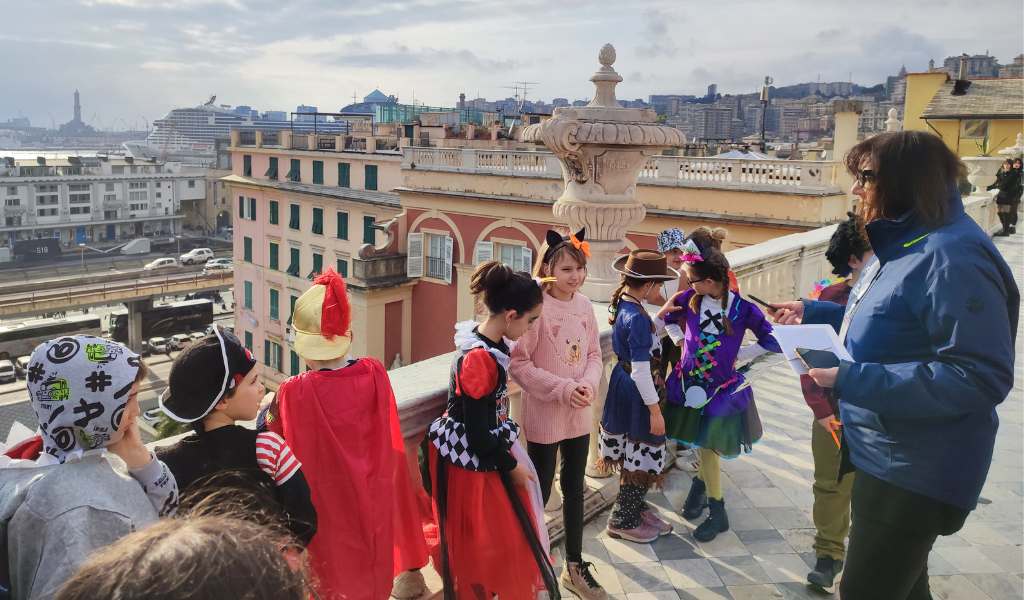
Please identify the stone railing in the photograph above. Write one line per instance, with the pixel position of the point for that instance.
(767, 175)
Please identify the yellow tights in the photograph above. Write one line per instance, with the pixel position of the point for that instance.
(710, 472)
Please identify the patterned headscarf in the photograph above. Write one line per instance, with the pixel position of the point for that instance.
(670, 239)
(78, 387)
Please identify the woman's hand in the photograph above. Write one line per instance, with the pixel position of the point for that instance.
(657, 420)
(825, 378)
(787, 313)
(521, 475)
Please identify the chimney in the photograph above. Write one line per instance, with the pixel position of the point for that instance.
(962, 83)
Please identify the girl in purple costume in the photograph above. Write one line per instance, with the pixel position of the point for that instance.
(709, 405)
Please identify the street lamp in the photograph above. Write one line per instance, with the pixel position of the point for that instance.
(81, 248)
(178, 238)
(764, 107)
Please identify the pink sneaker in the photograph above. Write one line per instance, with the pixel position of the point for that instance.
(642, 534)
(650, 517)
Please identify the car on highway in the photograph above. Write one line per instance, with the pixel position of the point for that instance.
(196, 256)
(7, 372)
(219, 264)
(21, 366)
(160, 263)
(158, 345)
(180, 341)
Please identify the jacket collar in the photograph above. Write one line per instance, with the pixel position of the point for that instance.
(891, 238)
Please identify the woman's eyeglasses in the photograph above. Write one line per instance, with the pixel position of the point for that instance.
(696, 281)
(865, 176)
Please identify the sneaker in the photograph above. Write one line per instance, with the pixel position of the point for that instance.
(641, 534)
(650, 516)
(576, 578)
(716, 523)
(408, 584)
(826, 574)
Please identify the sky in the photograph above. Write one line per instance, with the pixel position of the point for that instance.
(133, 60)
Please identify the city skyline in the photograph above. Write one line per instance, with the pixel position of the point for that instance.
(134, 60)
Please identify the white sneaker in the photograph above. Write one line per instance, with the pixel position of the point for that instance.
(408, 585)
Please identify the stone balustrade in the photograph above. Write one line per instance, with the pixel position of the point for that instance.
(684, 171)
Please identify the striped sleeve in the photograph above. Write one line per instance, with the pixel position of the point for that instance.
(275, 457)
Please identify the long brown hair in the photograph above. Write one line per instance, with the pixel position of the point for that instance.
(716, 268)
(914, 171)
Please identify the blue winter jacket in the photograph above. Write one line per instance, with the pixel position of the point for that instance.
(933, 347)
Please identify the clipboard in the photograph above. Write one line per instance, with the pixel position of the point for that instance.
(808, 337)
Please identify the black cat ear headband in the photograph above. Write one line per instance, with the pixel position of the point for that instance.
(555, 241)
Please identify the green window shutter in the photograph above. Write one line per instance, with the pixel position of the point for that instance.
(241, 207)
(247, 165)
(291, 307)
(247, 249)
(293, 262)
(273, 258)
(248, 340)
(344, 175)
(279, 355)
(294, 359)
(252, 209)
(318, 171)
(369, 233)
(293, 217)
(247, 297)
(274, 304)
(342, 267)
(318, 221)
(295, 170)
(371, 177)
(273, 212)
(266, 352)
(342, 225)
(318, 266)
(272, 169)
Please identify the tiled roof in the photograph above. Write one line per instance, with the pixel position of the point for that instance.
(985, 98)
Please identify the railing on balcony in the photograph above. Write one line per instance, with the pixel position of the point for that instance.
(300, 141)
(326, 142)
(246, 138)
(353, 144)
(437, 267)
(271, 138)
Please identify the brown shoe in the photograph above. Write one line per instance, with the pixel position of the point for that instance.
(576, 578)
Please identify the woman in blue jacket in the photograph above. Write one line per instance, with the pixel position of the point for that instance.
(932, 340)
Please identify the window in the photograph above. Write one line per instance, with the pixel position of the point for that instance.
(247, 249)
(158, 195)
(46, 212)
(241, 207)
(318, 265)
(318, 171)
(438, 256)
(138, 196)
(137, 185)
(295, 170)
(109, 187)
(293, 217)
(342, 267)
(12, 202)
(248, 339)
(974, 128)
(247, 165)
(344, 175)
(273, 212)
(342, 225)
(272, 169)
(294, 360)
(275, 297)
(520, 258)
(318, 221)
(247, 297)
(291, 307)
(191, 183)
(12, 221)
(110, 197)
(134, 207)
(368, 231)
(79, 187)
(252, 209)
(79, 210)
(273, 355)
(12, 190)
(371, 177)
(293, 262)
(273, 256)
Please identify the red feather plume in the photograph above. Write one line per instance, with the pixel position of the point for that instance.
(336, 314)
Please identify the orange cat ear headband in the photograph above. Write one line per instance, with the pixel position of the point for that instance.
(577, 240)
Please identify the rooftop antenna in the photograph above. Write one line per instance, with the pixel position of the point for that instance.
(524, 88)
(353, 96)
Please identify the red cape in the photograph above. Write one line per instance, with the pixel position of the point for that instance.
(343, 427)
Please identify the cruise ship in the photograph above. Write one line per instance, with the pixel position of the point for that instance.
(190, 134)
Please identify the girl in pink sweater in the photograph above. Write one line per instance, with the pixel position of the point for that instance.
(558, 366)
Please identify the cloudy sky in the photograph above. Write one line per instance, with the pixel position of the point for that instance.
(136, 59)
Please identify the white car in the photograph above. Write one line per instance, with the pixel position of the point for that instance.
(197, 335)
(196, 256)
(219, 264)
(158, 345)
(179, 341)
(161, 263)
(7, 372)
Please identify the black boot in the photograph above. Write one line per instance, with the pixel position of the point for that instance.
(716, 523)
(696, 500)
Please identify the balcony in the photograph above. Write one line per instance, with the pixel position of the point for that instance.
(379, 270)
(246, 138)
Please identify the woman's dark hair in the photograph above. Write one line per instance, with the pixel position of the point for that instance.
(500, 288)
(190, 559)
(706, 237)
(849, 239)
(913, 171)
(716, 268)
(627, 282)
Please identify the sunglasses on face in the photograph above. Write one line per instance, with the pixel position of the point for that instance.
(865, 176)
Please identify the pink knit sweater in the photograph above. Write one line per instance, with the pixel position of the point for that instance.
(561, 351)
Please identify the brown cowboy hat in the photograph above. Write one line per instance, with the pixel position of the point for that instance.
(645, 264)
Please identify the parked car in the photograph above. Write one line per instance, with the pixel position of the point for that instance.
(145, 348)
(197, 335)
(161, 263)
(21, 366)
(158, 345)
(196, 256)
(7, 372)
(219, 264)
(180, 341)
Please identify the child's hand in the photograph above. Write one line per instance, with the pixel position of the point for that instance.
(521, 475)
(579, 398)
(130, 447)
(657, 420)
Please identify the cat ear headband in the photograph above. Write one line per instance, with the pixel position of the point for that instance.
(555, 240)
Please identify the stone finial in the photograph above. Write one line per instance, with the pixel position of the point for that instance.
(605, 80)
(607, 55)
(893, 122)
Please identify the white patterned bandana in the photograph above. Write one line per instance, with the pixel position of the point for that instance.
(78, 387)
(670, 239)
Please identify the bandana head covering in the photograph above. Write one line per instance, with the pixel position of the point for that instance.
(78, 387)
(671, 239)
(203, 374)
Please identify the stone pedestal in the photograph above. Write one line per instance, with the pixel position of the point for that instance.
(981, 171)
(602, 147)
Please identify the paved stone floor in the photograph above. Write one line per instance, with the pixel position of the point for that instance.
(767, 552)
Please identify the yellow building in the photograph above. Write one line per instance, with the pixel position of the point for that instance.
(985, 117)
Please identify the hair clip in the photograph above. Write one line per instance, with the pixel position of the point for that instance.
(540, 281)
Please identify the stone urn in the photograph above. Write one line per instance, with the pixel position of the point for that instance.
(981, 171)
(602, 147)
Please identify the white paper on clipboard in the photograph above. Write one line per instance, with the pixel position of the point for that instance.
(811, 337)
